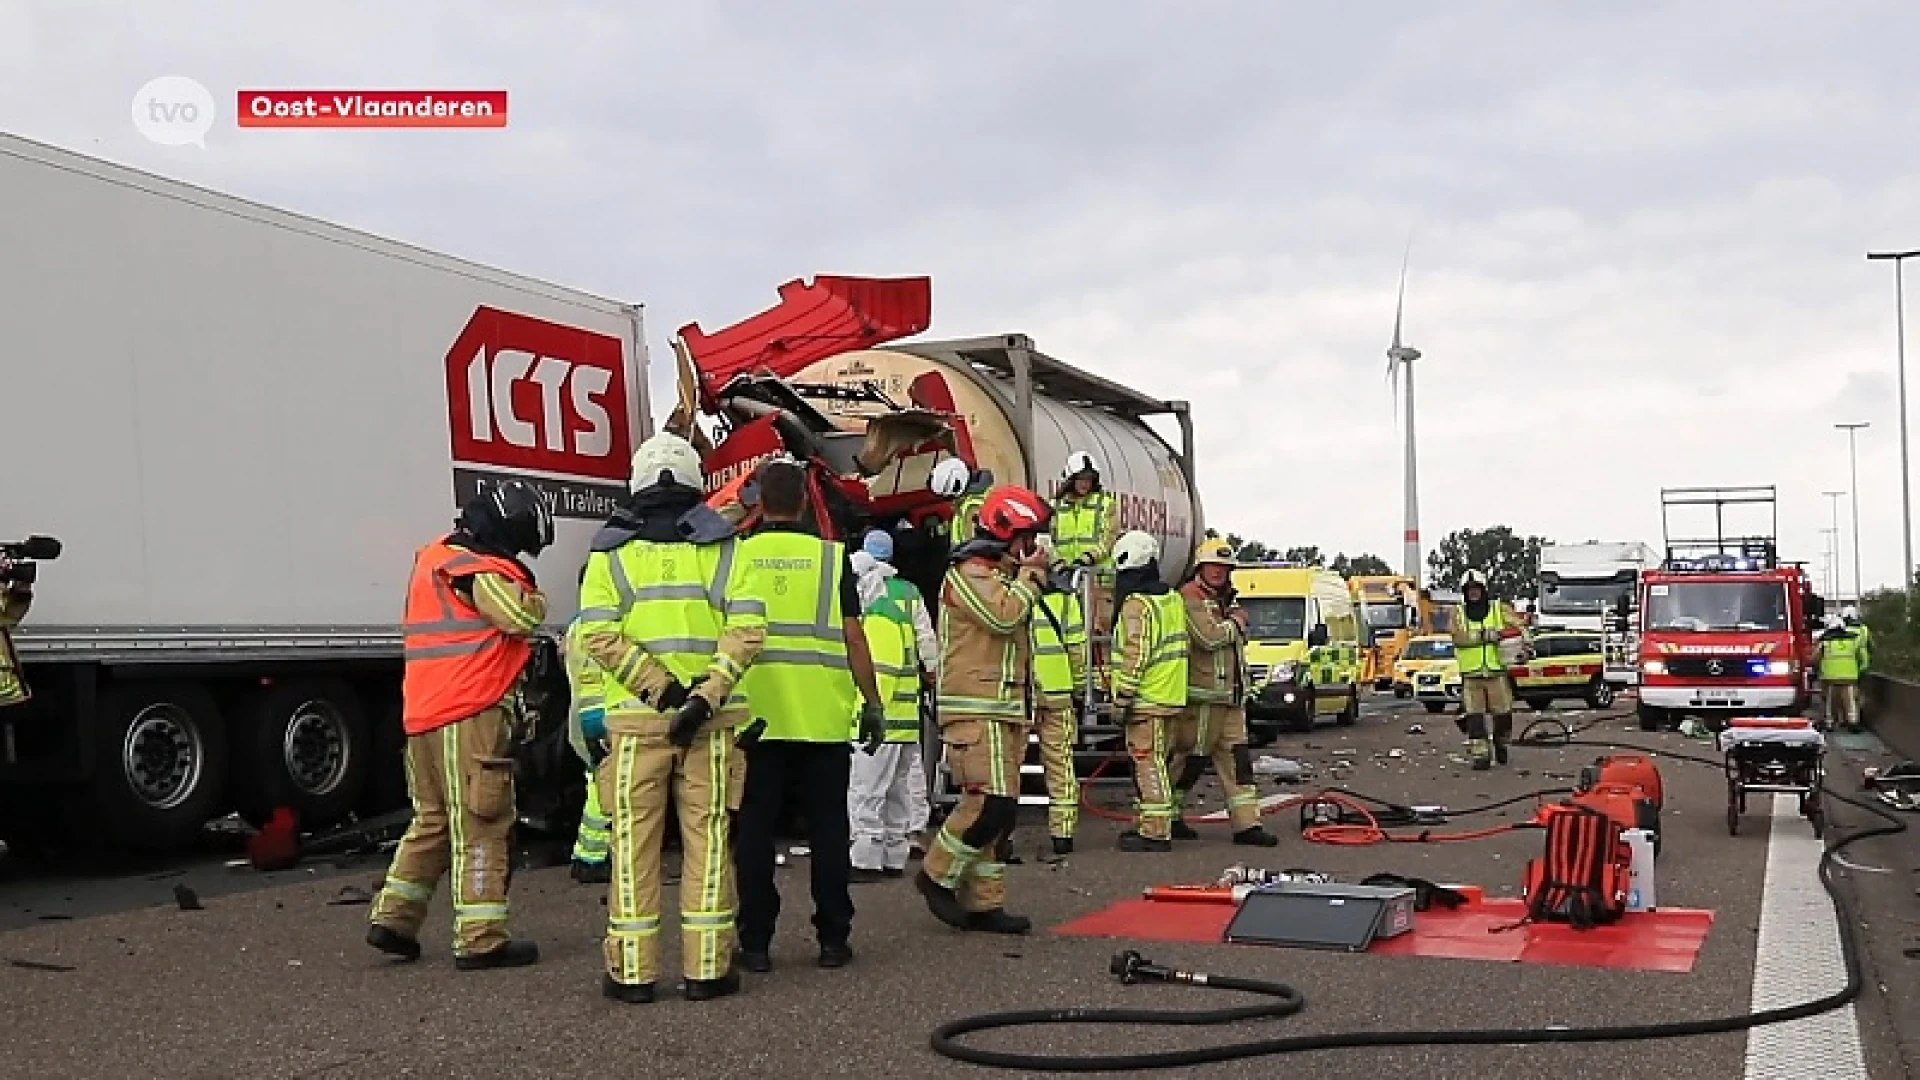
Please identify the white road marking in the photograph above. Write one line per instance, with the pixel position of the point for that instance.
(1798, 959)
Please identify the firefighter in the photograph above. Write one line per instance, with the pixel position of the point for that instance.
(1149, 683)
(1841, 648)
(899, 634)
(803, 687)
(986, 603)
(1059, 677)
(966, 512)
(16, 596)
(1215, 721)
(1483, 624)
(587, 733)
(1085, 529)
(671, 614)
(472, 610)
(1851, 616)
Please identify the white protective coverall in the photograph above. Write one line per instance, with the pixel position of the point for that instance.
(874, 774)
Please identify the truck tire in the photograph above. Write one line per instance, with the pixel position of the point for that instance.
(1651, 718)
(307, 747)
(1436, 706)
(162, 766)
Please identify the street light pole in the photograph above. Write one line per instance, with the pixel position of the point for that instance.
(1833, 503)
(1833, 542)
(1900, 345)
(1853, 480)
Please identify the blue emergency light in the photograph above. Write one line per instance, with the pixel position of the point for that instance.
(1756, 666)
(1715, 564)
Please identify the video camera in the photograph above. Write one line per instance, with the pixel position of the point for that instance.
(19, 562)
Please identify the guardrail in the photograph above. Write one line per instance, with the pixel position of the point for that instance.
(1891, 709)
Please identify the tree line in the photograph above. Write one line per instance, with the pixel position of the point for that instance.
(1510, 560)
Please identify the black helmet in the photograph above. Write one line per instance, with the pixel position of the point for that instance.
(512, 515)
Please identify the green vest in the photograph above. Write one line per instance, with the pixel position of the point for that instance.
(896, 666)
(1840, 659)
(586, 695)
(1080, 526)
(1163, 681)
(800, 683)
(674, 601)
(1479, 658)
(1053, 667)
(964, 513)
(1865, 634)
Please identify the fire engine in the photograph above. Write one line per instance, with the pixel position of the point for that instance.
(1725, 627)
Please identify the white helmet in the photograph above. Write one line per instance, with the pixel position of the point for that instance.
(1079, 462)
(950, 478)
(1134, 550)
(1472, 578)
(666, 458)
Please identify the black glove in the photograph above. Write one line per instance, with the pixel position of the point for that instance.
(873, 728)
(1226, 597)
(750, 734)
(1126, 712)
(688, 721)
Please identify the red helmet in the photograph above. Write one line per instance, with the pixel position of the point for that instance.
(1009, 511)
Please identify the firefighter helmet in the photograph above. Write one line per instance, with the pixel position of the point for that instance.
(666, 458)
(1080, 462)
(1214, 551)
(1472, 578)
(950, 478)
(1135, 550)
(1010, 511)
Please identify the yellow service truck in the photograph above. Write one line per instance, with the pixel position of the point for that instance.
(1390, 608)
(1303, 648)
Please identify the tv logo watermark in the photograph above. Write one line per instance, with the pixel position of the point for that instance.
(174, 110)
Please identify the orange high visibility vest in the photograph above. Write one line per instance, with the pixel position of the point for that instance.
(457, 663)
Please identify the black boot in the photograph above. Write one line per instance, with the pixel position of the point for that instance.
(998, 921)
(941, 902)
(838, 955)
(757, 961)
(1183, 831)
(393, 942)
(1502, 735)
(1133, 841)
(1255, 836)
(708, 989)
(516, 953)
(592, 873)
(626, 993)
(1062, 846)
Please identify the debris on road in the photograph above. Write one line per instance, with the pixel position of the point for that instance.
(39, 965)
(351, 896)
(187, 899)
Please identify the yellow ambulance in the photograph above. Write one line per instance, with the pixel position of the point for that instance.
(1303, 648)
(1428, 652)
(1567, 664)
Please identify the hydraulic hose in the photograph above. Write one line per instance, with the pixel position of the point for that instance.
(945, 1039)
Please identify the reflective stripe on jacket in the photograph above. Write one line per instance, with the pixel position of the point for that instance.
(985, 642)
(458, 664)
(1478, 657)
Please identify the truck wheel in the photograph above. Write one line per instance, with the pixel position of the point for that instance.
(1651, 718)
(307, 748)
(1350, 715)
(1600, 694)
(162, 767)
(1435, 706)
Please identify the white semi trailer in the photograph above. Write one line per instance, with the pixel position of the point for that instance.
(241, 424)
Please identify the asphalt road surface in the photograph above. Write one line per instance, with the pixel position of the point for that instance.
(271, 978)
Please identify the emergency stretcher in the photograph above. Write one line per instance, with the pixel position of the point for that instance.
(1774, 755)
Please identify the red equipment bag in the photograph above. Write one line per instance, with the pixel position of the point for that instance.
(1636, 770)
(1583, 877)
(1627, 804)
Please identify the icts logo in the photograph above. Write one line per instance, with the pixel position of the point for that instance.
(542, 402)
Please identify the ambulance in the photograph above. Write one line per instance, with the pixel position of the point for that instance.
(1567, 664)
(1303, 648)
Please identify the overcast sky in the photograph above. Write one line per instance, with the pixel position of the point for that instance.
(1638, 234)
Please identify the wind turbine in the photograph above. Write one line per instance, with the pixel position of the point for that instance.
(1400, 360)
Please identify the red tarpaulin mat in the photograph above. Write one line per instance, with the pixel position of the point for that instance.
(1664, 940)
